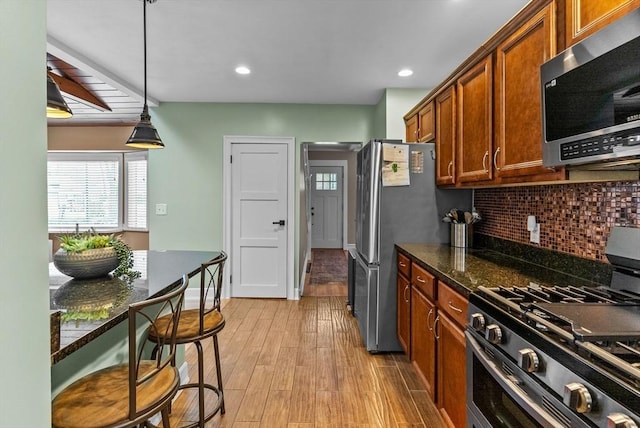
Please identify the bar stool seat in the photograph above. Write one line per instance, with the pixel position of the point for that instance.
(129, 394)
(100, 399)
(196, 325)
(189, 325)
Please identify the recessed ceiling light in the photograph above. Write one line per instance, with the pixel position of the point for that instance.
(243, 70)
(405, 72)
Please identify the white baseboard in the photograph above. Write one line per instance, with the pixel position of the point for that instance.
(192, 293)
(303, 278)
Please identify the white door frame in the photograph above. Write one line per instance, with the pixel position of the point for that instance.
(345, 208)
(228, 140)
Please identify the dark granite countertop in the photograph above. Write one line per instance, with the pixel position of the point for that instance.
(93, 306)
(467, 269)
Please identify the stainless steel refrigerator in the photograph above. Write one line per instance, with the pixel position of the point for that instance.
(390, 214)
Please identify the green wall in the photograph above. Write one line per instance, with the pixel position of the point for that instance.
(187, 174)
(24, 296)
(398, 103)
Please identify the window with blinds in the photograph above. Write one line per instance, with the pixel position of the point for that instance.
(135, 167)
(90, 189)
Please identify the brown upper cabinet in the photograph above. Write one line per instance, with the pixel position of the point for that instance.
(474, 92)
(411, 128)
(585, 17)
(420, 126)
(488, 112)
(518, 99)
(445, 105)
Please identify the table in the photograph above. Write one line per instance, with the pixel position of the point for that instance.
(93, 306)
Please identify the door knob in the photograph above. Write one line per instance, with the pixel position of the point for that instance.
(280, 222)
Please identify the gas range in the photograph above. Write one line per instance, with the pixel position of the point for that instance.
(563, 356)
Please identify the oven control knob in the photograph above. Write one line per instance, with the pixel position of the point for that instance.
(577, 397)
(477, 321)
(493, 334)
(528, 360)
(619, 420)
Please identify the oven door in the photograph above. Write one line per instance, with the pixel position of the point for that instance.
(499, 394)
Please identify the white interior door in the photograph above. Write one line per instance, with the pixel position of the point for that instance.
(326, 206)
(259, 220)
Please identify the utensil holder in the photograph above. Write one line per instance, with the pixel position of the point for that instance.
(461, 235)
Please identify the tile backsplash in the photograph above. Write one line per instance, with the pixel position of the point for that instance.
(574, 218)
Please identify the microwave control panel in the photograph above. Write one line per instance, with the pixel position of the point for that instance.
(599, 146)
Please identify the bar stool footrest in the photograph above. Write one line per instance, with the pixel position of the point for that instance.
(216, 408)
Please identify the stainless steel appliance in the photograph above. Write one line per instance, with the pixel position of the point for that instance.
(558, 356)
(351, 277)
(591, 98)
(387, 215)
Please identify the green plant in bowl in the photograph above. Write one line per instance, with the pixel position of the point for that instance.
(82, 243)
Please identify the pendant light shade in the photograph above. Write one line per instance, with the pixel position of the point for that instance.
(56, 105)
(145, 135)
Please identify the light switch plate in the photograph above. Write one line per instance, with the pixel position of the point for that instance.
(161, 209)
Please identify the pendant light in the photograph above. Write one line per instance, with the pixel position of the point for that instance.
(57, 107)
(144, 135)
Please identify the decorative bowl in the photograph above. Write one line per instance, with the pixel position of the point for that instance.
(92, 263)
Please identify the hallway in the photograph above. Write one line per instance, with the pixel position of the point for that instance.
(328, 273)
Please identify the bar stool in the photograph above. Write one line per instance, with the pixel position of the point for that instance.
(196, 325)
(129, 394)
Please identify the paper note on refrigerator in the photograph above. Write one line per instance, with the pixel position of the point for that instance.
(395, 165)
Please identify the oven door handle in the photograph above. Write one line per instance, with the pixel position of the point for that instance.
(509, 386)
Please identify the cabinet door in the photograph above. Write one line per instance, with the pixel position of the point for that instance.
(474, 118)
(445, 136)
(426, 124)
(451, 372)
(423, 341)
(411, 125)
(585, 17)
(404, 313)
(518, 133)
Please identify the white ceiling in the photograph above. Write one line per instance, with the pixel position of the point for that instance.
(299, 51)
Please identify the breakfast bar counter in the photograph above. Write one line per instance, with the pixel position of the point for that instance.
(90, 307)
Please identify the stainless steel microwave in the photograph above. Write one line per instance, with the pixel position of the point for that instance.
(591, 98)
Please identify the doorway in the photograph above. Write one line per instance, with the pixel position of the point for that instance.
(258, 216)
(327, 203)
(318, 263)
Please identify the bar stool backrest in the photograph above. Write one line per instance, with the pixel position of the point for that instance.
(142, 317)
(211, 277)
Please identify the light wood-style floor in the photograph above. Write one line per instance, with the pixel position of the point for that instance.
(301, 364)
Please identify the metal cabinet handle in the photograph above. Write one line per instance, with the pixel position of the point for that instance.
(454, 308)
(420, 279)
(435, 327)
(495, 159)
(449, 169)
(404, 294)
(484, 161)
(402, 264)
(429, 316)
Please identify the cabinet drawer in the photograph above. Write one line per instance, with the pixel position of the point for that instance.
(424, 281)
(404, 265)
(453, 304)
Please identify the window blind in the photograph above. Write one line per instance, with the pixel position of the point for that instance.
(83, 191)
(136, 190)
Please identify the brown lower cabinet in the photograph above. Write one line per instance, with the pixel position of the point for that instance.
(451, 372)
(404, 312)
(423, 341)
(437, 345)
